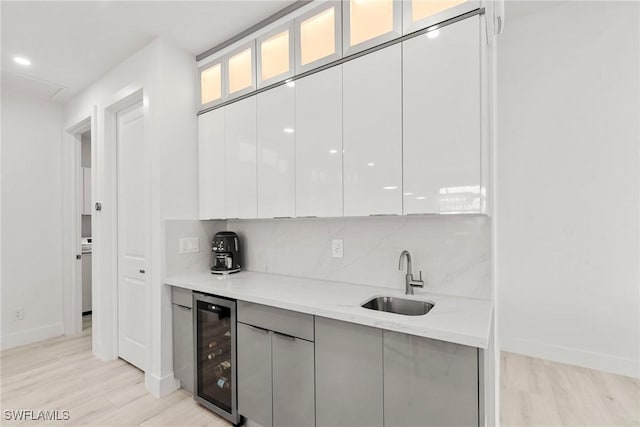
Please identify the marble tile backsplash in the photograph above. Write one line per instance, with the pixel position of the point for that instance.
(453, 252)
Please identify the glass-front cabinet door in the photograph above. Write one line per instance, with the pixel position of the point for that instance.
(368, 23)
(211, 84)
(318, 37)
(241, 70)
(275, 56)
(419, 14)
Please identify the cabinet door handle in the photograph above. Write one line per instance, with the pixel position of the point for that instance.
(259, 329)
(285, 336)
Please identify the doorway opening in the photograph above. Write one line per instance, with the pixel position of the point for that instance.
(86, 240)
(78, 280)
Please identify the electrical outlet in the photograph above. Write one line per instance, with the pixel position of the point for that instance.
(18, 314)
(189, 245)
(337, 248)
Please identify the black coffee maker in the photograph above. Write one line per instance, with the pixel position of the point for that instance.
(226, 253)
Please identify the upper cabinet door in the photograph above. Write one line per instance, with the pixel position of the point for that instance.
(211, 84)
(368, 23)
(318, 37)
(211, 158)
(240, 67)
(419, 14)
(318, 113)
(441, 120)
(275, 56)
(240, 147)
(276, 153)
(373, 133)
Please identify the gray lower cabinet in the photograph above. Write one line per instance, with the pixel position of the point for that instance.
(429, 382)
(349, 377)
(275, 366)
(254, 374)
(293, 390)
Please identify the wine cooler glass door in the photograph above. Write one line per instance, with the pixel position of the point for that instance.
(215, 355)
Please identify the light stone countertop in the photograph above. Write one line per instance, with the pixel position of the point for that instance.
(460, 320)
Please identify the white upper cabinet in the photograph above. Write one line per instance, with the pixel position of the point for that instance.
(211, 84)
(240, 148)
(441, 120)
(211, 158)
(276, 153)
(275, 55)
(240, 71)
(318, 36)
(420, 14)
(318, 113)
(368, 23)
(373, 133)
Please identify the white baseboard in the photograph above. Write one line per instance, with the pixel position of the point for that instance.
(572, 356)
(160, 386)
(30, 336)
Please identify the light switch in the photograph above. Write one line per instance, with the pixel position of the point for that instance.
(337, 248)
(189, 245)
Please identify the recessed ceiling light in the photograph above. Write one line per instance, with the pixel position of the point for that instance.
(391, 187)
(371, 164)
(333, 151)
(22, 61)
(407, 194)
(420, 198)
(288, 130)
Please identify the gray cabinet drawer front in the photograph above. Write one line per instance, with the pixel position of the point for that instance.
(276, 319)
(254, 374)
(348, 374)
(429, 381)
(293, 382)
(181, 297)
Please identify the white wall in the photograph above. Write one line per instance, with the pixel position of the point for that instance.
(31, 219)
(453, 252)
(167, 77)
(568, 174)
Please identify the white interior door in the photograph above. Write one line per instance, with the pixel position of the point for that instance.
(132, 237)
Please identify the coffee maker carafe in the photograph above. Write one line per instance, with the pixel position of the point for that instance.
(226, 253)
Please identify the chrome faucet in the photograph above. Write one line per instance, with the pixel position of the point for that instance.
(410, 282)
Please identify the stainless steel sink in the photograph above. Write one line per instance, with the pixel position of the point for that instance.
(408, 307)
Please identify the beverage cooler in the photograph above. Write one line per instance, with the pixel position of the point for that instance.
(214, 336)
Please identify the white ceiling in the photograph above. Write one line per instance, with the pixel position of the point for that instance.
(73, 43)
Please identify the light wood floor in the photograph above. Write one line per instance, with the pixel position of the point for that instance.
(536, 392)
(61, 373)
